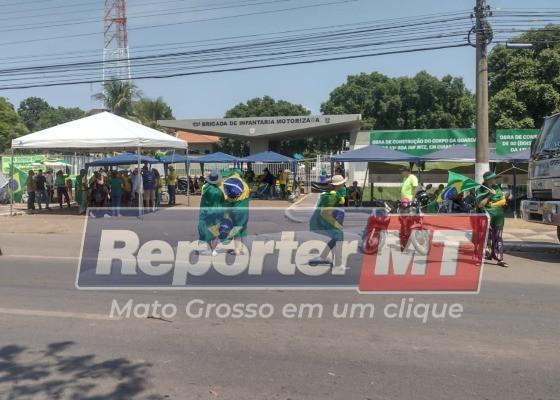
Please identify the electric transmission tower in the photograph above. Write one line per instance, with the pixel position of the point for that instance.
(116, 62)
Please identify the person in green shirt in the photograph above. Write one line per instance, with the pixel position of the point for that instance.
(328, 220)
(490, 198)
(211, 213)
(116, 184)
(61, 190)
(410, 184)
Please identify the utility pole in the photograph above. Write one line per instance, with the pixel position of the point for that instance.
(483, 38)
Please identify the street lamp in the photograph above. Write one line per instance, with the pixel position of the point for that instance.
(518, 46)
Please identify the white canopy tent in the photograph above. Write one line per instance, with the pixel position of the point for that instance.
(101, 132)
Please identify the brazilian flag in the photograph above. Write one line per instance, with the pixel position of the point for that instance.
(236, 194)
(211, 212)
(161, 154)
(456, 183)
(16, 184)
(328, 216)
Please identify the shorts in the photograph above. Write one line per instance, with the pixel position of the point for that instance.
(149, 194)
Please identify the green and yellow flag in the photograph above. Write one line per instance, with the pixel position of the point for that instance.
(16, 184)
(456, 183)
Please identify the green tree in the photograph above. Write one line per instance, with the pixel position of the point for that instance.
(30, 111)
(119, 96)
(149, 111)
(263, 107)
(524, 85)
(420, 102)
(11, 125)
(57, 116)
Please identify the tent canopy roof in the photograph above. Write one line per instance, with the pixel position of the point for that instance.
(268, 156)
(461, 153)
(374, 153)
(123, 159)
(99, 132)
(175, 159)
(217, 157)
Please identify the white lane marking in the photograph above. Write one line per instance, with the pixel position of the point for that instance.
(41, 257)
(58, 314)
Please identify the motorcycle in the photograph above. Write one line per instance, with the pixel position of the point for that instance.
(412, 222)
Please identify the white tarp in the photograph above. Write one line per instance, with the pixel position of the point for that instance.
(99, 132)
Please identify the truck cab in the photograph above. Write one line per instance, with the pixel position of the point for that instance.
(543, 184)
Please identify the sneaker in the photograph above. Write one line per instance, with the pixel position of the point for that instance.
(106, 216)
(208, 252)
(340, 267)
(91, 214)
(319, 261)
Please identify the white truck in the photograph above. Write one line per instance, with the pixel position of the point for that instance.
(543, 184)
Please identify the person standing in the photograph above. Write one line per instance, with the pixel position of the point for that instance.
(31, 188)
(136, 187)
(158, 187)
(409, 185)
(211, 212)
(283, 177)
(236, 193)
(328, 220)
(490, 198)
(127, 190)
(50, 184)
(116, 189)
(83, 187)
(172, 184)
(61, 189)
(149, 185)
(42, 195)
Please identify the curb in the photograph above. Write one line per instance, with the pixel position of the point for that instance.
(529, 247)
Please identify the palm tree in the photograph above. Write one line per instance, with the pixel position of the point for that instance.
(149, 111)
(118, 96)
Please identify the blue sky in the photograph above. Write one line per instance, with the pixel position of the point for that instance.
(211, 95)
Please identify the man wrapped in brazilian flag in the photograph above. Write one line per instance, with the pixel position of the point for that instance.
(328, 220)
(211, 212)
(491, 199)
(236, 215)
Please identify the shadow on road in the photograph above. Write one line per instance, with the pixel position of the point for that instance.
(53, 373)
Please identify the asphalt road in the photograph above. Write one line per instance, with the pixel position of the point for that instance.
(58, 342)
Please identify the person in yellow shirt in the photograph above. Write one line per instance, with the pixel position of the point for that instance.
(283, 177)
(171, 184)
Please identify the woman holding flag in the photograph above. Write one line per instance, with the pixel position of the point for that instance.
(490, 198)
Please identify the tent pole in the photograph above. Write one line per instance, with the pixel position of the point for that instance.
(12, 188)
(188, 168)
(514, 190)
(140, 187)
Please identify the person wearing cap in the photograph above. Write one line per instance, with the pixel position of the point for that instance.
(328, 220)
(409, 185)
(171, 184)
(490, 198)
(31, 188)
(211, 212)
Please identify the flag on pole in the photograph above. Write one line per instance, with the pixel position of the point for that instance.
(16, 184)
(456, 183)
